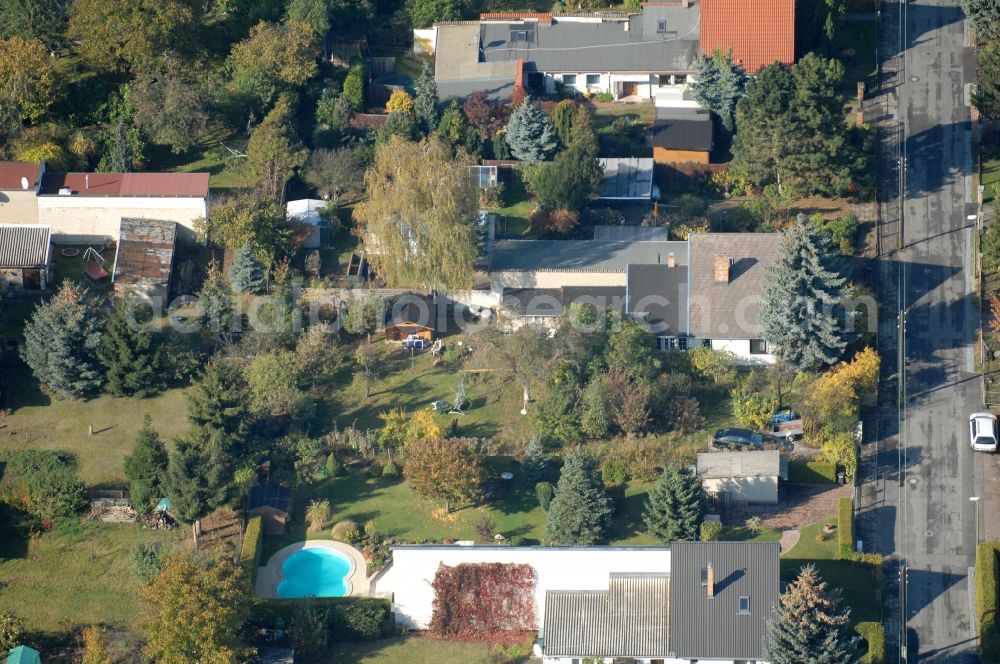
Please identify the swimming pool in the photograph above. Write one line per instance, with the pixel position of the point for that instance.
(315, 572)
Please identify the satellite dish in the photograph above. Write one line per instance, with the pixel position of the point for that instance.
(24, 183)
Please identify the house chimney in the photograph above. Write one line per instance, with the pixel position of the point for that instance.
(722, 263)
(709, 581)
(671, 262)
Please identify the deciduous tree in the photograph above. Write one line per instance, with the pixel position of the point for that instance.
(673, 508)
(11, 631)
(984, 16)
(580, 514)
(273, 381)
(95, 646)
(173, 104)
(445, 470)
(530, 135)
(753, 409)
(44, 20)
(146, 468)
(425, 13)
(569, 182)
(27, 83)
(275, 150)
(986, 96)
(335, 173)
(272, 59)
(247, 218)
(314, 13)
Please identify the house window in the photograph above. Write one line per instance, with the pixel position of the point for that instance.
(593, 79)
(758, 347)
(672, 343)
(665, 79)
(744, 605)
(519, 36)
(569, 79)
(661, 27)
(704, 576)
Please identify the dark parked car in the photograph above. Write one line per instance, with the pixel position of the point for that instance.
(729, 439)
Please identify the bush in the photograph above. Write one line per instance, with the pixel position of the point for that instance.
(986, 600)
(486, 529)
(348, 618)
(11, 630)
(390, 469)
(614, 471)
(318, 512)
(333, 466)
(812, 472)
(545, 493)
(375, 470)
(710, 530)
(147, 559)
(845, 528)
(345, 531)
(874, 635)
(251, 550)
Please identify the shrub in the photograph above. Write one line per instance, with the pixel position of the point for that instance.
(11, 630)
(333, 466)
(845, 528)
(874, 635)
(710, 530)
(986, 600)
(604, 97)
(375, 470)
(309, 631)
(614, 471)
(318, 513)
(516, 540)
(486, 529)
(390, 469)
(147, 560)
(754, 525)
(348, 618)
(511, 653)
(251, 550)
(545, 493)
(345, 531)
(812, 472)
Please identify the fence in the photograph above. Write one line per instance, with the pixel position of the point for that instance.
(381, 66)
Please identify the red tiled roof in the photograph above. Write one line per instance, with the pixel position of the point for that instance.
(11, 173)
(516, 16)
(128, 184)
(758, 31)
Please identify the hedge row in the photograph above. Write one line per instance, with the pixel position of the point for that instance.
(845, 528)
(812, 472)
(348, 618)
(986, 600)
(874, 635)
(251, 550)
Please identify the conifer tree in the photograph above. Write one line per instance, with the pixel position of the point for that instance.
(185, 481)
(719, 86)
(673, 508)
(426, 101)
(132, 360)
(61, 340)
(595, 413)
(536, 462)
(218, 310)
(530, 134)
(246, 273)
(146, 468)
(562, 120)
(808, 627)
(801, 297)
(220, 402)
(581, 511)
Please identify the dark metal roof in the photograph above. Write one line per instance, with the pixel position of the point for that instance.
(630, 619)
(657, 294)
(582, 255)
(270, 495)
(553, 301)
(24, 246)
(412, 310)
(713, 628)
(631, 233)
(11, 173)
(683, 131)
(627, 178)
(145, 252)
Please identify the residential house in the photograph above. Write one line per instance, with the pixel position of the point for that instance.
(82, 208)
(310, 211)
(682, 136)
(758, 32)
(693, 601)
(25, 253)
(742, 477)
(273, 503)
(144, 257)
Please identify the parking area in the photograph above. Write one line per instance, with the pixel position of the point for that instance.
(798, 505)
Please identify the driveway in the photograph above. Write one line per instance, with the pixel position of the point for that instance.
(798, 505)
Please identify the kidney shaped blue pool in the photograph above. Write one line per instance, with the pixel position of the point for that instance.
(315, 572)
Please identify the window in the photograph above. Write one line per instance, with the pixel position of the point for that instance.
(666, 79)
(744, 605)
(672, 343)
(661, 27)
(593, 79)
(704, 576)
(758, 347)
(569, 79)
(518, 36)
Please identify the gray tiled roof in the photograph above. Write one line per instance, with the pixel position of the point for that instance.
(630, 619)
(713, 628)
(583, 255)
(761, 463)
(659, 294)
(682, 130)
(728, 310)
(631, 233)
(24, 246)
(552, 301)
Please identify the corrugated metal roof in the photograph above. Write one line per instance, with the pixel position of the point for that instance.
(630, 619)
(715, 465)
(183, 185)
(713, 628)
(11, 173)
(583, 255)
(145, 252)
(759, 32)
(553, 301)
(627, 178)
(24, 246)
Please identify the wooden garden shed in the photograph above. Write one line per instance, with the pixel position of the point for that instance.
(273, 503)
(412, 316)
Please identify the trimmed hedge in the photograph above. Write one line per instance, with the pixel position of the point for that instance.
(845, 528)
(251, 549)
(348, 618)
(986, 600)
(874, 635)
(812, 472)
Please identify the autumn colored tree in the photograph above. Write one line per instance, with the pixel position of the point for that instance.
(194, 611)
(835, 397)
(95, 646)
(753, 409)
(272, 59)
(448, 471)
(275, 151)
(26, 78)
(479, 111)
(400, 101)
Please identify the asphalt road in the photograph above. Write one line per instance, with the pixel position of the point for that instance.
(927, 469)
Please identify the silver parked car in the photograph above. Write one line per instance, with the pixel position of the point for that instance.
(983, 432)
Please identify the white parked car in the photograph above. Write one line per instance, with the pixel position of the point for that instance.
(983, 432)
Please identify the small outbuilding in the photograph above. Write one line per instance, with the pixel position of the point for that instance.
(742, 477)
(309, 211)
(24, 257)
(144, 258)
(24, 655)
(626, 179)
(682, 136)
(411, 316)
(273, 503)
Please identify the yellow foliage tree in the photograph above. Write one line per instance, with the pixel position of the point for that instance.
(26, 77)
(834, 397)
(399, 102)
(95, 646)
(54, 155)
(422, 427)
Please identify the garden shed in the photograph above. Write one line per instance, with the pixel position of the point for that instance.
(273, 503)
(411, 315)
(24, 655)
(742, 477)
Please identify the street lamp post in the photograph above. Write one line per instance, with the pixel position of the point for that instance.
(975, 501)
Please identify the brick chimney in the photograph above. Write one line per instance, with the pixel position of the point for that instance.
(709, 581)
(722, 265)
(671, 261)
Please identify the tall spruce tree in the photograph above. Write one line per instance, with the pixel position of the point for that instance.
(673, 508)
(802, 296)
(185, 481)
(426, 101)
(220, 402)
(132, 359)
(246, 273)
(536, 462)
(530, 135)
(146, 468)
(61, 341)
(580, 514)
(762, 120)
(719, 86)
(808, 627)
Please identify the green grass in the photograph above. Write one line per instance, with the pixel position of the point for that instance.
(208, 156)
(412, 650)
(514, 217)
(812, 472)
(743, 534)
(990, 175)
(604, 116)
(855, 46)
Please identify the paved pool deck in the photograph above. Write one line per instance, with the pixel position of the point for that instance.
(269, 575)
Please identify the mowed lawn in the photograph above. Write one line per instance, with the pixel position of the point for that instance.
(409, 649)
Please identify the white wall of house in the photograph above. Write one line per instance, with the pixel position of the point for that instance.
(18, 207)
(424, 41)
(408, 579)
(741, 349)
(744, 489)
(668, 660)
(82, 219)
(674, 95)
(554, 279)
(593, 82)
